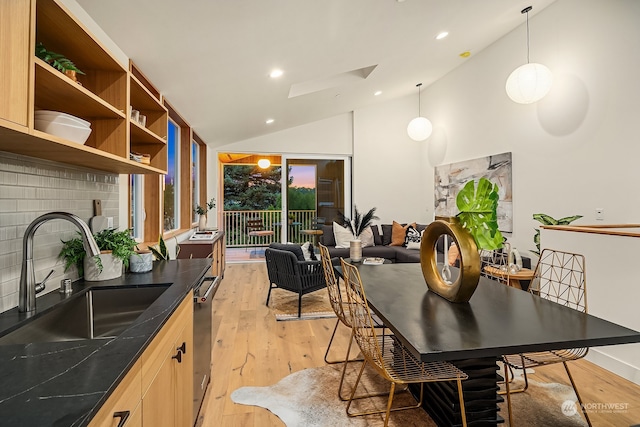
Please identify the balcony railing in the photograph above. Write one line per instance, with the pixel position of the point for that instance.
(235, 226)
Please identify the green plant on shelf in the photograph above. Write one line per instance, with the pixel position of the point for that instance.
(56, 60)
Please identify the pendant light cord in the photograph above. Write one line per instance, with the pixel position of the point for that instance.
(418, 86)
(526, 11)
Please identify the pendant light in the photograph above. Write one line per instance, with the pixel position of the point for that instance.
(419, 128)
(529, 82)
(264, 163)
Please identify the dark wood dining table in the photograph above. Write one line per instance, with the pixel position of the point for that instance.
(497, 320)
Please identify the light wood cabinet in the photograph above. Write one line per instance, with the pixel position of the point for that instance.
(124, 403)
(100, 97)
(158, 390)
(167, 372)
(15, 45)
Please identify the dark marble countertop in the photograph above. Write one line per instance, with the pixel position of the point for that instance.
(65, 383)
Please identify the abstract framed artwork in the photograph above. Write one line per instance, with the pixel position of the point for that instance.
(449, 180)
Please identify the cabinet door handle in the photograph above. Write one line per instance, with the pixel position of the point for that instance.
(178, 356)
(183, 347)
(123, 415)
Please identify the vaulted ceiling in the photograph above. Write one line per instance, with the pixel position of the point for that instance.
(212, 58)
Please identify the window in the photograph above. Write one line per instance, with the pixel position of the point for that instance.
(195, 178)
(136, 203)
(171, 179)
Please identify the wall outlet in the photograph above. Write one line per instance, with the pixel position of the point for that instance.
(110, 222)
(599, 214)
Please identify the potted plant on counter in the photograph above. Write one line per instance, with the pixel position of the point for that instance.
(202, 211)
(116, 247)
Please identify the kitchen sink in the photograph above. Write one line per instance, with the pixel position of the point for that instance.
(98, 314)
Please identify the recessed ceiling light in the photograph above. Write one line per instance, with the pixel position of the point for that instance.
(442, 35)
(276, 73)
(379, 92)
(269, 121)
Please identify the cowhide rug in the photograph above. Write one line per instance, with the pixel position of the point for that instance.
(308, 398)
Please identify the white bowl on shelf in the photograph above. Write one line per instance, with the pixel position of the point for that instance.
(60, 117)
(78, 134)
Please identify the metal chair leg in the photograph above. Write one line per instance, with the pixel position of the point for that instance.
(575, 389)
(463, 413)
(326, 353)
(508, 393)
(269, 294)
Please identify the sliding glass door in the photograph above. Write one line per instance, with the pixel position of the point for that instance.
(317, 189)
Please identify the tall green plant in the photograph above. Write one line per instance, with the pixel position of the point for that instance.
(545, 219)
(478, 213)
(360, 222)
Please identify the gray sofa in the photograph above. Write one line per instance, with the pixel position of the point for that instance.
(382, 248)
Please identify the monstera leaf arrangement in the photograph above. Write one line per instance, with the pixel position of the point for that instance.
(478, 207)
(545, 219)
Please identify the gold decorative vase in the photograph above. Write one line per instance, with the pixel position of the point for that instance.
(463, 287)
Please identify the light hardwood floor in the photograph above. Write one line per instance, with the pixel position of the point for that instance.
(251, 348)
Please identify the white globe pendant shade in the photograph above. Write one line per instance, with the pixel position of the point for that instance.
(419, 129)
(529, 83)
(264, 163)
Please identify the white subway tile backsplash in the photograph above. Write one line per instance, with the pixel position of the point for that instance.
(31, 187)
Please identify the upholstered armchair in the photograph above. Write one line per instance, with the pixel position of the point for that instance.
(287, 271)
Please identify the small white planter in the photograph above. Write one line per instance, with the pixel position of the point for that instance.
(141, 262)
(111, 268)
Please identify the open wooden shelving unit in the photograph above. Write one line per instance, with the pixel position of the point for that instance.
(102, 96)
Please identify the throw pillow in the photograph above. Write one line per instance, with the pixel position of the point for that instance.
(386, 234)
(307, 251)
(342, 235)
(377, 238)
(367, 237)
(412, 239)
(398, 233)
(327, 238)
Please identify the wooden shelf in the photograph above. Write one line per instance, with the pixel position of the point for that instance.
(142, 135)
(44, 146)
(55, 91)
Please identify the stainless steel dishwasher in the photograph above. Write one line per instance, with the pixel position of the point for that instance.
(202, 313)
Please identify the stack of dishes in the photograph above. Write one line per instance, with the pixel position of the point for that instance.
(62, 125)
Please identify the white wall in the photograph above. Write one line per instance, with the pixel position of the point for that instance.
(388, 167)
(575, 150)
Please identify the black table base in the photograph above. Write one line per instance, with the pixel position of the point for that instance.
(480, 392)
